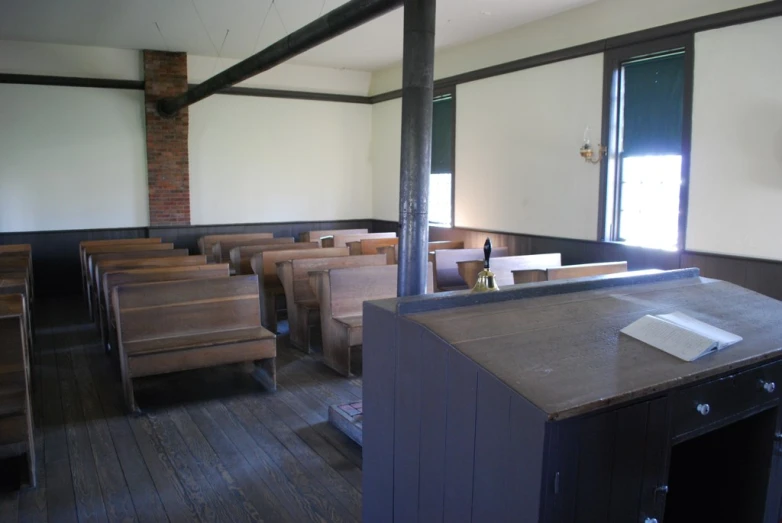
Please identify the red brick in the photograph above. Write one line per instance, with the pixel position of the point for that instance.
(165, 74)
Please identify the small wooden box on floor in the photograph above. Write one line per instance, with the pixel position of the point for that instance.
(528, 405)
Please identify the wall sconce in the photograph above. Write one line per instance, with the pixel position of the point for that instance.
(589, 154)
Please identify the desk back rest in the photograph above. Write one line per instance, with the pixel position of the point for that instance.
(141, 263)
(521, 276)
(13, 353)
(14, 264)
(392, 251)
(16, 247)
(267, 261)
(96, 259)
(370, 246)
(239, 256)
(585, 270)
(148, 275)
(146, 311)
(503, 267)
(221, 249)
(300, 270)
(341, 240)
(315, 236)
(106, 249)
(446, 272)
(350, 288)
(84, 245)
(15, 285)
(205, 243)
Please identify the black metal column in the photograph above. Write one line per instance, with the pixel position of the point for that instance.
(417, 94)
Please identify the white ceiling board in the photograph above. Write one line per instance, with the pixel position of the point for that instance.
(237, 28)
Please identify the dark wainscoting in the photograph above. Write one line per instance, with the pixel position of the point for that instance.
(186, 237)
(764, 276)
(56, 253)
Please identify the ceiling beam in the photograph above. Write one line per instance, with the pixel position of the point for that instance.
(334, 23)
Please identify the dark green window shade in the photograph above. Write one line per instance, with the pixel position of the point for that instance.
(442, 135)
(653, 106)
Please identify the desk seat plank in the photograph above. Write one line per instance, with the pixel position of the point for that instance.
(341, 294)
(301, 302)
(264, 264)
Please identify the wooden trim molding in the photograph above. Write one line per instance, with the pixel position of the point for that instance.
(70, 81)
(742, 15)
(295, 95)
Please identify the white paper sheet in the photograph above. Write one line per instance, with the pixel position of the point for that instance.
(680, 335)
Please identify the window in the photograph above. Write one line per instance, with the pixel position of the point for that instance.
(646, 173)
(441, 178)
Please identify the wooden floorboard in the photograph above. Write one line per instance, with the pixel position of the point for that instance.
(210, 445)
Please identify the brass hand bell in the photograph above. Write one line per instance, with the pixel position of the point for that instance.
(486, 280)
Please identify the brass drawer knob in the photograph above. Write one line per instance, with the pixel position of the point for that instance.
(703, 409)
(650, 520)
(769, 386)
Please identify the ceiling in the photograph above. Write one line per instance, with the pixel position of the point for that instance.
(237, 28)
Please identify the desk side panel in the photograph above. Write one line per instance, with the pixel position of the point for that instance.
(379, 373)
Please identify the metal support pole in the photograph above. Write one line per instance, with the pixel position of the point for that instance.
(337, 21)
(416, 164)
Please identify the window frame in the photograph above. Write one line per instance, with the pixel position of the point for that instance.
(610, 182)
(450, 91)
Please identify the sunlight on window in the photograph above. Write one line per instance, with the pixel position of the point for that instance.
(440, 199)
(649, 214)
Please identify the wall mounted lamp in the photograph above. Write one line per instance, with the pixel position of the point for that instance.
(590, 155)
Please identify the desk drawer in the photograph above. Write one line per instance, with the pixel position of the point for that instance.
(713, 402)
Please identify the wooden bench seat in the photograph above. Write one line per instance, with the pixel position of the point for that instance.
(446, 270)
(222, 249)
(264, 264)
(341, 295)
(180, 325)
(371, 245)
(316, 236)
(127, 276)
(16, 416)
(83, 245)
(342, 240)
(503, 267)
(205, 243)
(568, 272)
(241, 257)
(301, 302)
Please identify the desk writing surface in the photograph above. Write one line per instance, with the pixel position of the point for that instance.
(564, 353)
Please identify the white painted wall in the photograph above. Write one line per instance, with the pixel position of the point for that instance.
(386, 158)
(736, 174)
(595, 21)
(71, 158)
(70, 60)
(271, 160)
(288, 76)
(517, 140)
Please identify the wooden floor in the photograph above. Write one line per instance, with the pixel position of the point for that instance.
(210, 446)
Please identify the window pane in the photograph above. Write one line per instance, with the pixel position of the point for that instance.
(649, 207)
(440, 198)
(653, 106)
